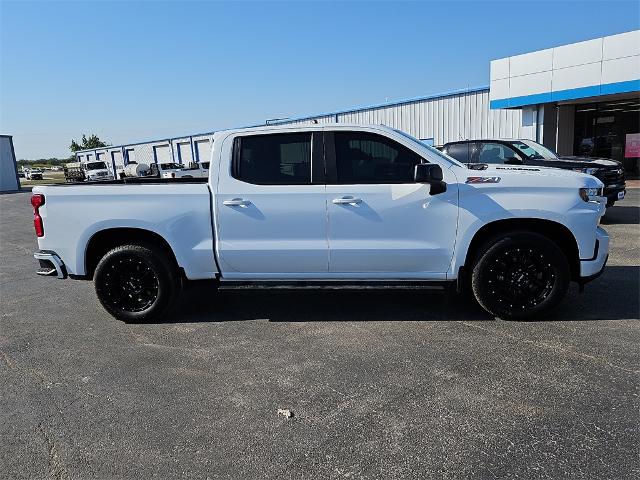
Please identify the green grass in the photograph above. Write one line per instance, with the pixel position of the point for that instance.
(48, 178)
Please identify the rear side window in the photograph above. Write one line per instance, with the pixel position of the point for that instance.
(281, 159)
(460, 151)
(369, 158)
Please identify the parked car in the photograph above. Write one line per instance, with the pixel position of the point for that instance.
(325, 206)
(528, 152)
(96, 171)
(34, 174)
(177, 170)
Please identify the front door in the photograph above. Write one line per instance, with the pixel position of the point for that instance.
(270, 209)
(381, 223)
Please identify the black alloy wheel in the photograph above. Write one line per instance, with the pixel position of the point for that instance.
(520, 275)
(137, 283)
(131, 285)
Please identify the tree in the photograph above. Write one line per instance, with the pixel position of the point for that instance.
(87, 143)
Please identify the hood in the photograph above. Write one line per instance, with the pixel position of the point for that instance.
(586, 162)
(530, 176)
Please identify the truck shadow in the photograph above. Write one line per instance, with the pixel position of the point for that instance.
(611, 297)
(622, 215)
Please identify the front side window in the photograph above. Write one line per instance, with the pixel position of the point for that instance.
(369, 158)
(171, 166)
(495, 153)
(280, 159)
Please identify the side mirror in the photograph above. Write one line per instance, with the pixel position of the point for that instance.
(430, 173)
(512, 161)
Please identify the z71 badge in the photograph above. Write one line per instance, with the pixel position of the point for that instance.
(482, 179)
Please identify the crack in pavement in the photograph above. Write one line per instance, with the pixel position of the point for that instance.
(58, 470)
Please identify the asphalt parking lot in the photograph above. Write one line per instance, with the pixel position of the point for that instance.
(399, 384)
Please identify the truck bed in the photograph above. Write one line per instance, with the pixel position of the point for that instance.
(178, 210)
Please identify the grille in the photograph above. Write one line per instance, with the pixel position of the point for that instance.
(613, 177)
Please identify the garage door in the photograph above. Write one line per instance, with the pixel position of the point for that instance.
(163, 153)
(131, 155)
(203, 151)
(184, 150)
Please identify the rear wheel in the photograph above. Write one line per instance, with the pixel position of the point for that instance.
(137, 283)
(520, 275)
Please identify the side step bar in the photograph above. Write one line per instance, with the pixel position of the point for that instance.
(50, 264)
(333, 285)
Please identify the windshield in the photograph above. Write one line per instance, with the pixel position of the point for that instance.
(431, 149)
(171, 166)
(96, 166)
(534, 150)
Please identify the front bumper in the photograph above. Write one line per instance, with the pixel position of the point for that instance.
(50, 264)
(101, 179)
(591, 268)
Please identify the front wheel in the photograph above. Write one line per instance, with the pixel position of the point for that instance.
(137, 283)
(520, 275)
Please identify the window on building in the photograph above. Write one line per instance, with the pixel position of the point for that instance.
(495, 153)
(281, 159)
(369, 158)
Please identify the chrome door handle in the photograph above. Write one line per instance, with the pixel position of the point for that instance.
(236, 202)
(347, 201)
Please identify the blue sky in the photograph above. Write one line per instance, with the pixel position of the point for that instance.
(131, 71)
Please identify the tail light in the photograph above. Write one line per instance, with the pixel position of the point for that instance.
(37, 200)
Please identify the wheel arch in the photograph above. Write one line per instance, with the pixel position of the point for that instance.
(104, 240)
(553, 230)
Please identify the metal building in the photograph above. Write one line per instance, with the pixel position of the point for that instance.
(582, 98)
(586, 94)
(9, 181)
(183, 150)
(437, 119)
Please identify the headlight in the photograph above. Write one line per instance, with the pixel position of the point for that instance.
(590, 171)
(590, 194)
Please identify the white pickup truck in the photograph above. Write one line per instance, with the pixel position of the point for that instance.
(334, 205)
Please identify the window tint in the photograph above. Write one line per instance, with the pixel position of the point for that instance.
(495, 153)
(369, 158)
(459, 151)
(273, 159)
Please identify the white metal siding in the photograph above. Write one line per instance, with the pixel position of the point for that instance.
(445, 119)
(116, 156)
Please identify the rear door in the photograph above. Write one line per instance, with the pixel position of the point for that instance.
(381, 223)
(271, 207)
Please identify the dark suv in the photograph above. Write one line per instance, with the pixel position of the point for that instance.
(528, 152)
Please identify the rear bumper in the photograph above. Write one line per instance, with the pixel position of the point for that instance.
(592, 267)
(50, 264)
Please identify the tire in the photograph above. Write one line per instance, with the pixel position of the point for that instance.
(137, 283)
(520, 275)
